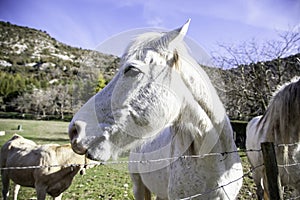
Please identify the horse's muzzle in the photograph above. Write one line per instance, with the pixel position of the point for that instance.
(75, 130)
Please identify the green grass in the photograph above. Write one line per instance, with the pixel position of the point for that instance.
(101, 182)
(41, 132)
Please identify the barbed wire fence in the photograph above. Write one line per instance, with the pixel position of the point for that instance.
(145, 162)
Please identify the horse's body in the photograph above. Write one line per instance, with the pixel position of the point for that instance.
(187, 176)
(21, 152)
(161, 94)
(280, 124)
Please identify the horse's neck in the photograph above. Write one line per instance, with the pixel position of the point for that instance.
(203, 114)
(196, 132)
(66, 155)
(203, 93)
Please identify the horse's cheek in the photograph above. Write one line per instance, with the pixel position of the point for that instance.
(171, 106)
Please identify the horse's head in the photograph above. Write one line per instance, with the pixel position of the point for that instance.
(144, 97)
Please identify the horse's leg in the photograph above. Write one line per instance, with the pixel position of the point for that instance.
(259, 188)
(139, 191)
(257, 178)
(259, 192)
(16, 191)
(40, 192)
(147, 193)
(41, 195)
(266, 189)
(5, 184)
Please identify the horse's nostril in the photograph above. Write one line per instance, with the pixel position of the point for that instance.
(82, 172)
(75, 130)
(73, 133)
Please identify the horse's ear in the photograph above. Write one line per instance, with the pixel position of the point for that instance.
(177, 34)
(184, 28)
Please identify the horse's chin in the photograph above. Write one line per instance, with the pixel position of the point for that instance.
(97, 157)
(99, 153)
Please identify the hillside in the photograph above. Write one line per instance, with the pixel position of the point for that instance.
(43, 77)
(32, 60)
(23, 47)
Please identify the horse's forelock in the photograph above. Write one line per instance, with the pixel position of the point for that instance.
(139, 48)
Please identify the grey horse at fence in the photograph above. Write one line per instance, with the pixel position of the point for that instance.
(161, 95)
(280, 125)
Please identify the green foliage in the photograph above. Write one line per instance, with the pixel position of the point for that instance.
(11, 84)
(100, 84)
(37, 61)
(100, 182)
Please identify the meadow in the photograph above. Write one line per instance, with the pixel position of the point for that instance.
(107, 182)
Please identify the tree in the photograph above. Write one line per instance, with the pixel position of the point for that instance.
(62, 103)
(11, 85)
(101, 83)
(51, 101)
(252, 51)
(253, 72)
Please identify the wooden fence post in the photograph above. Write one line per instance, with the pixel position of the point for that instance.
(271, 170)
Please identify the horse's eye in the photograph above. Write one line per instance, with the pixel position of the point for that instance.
(131, 71)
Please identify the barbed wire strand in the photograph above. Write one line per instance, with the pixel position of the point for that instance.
(133, 161)
(222, 186)
(168, 159)
(94, 163)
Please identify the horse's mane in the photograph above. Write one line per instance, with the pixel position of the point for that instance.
(283, 112)
(191, 72)
(290, 83)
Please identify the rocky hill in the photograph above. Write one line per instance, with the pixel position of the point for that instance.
(45, 77)
(23, 47)
(31, 60)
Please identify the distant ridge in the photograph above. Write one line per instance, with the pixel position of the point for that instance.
(31, 59)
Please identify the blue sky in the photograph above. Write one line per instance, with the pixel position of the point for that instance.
(87, 23)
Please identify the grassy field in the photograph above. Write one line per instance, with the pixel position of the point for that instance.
(100, 182)
(41, 132)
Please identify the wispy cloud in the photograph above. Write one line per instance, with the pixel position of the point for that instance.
(87, 22)
(278, 14)
(155, 22)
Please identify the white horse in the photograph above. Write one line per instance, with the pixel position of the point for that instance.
(280, 124)
(161, 92)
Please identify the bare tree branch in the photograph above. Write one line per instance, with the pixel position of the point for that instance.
(254, 70)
